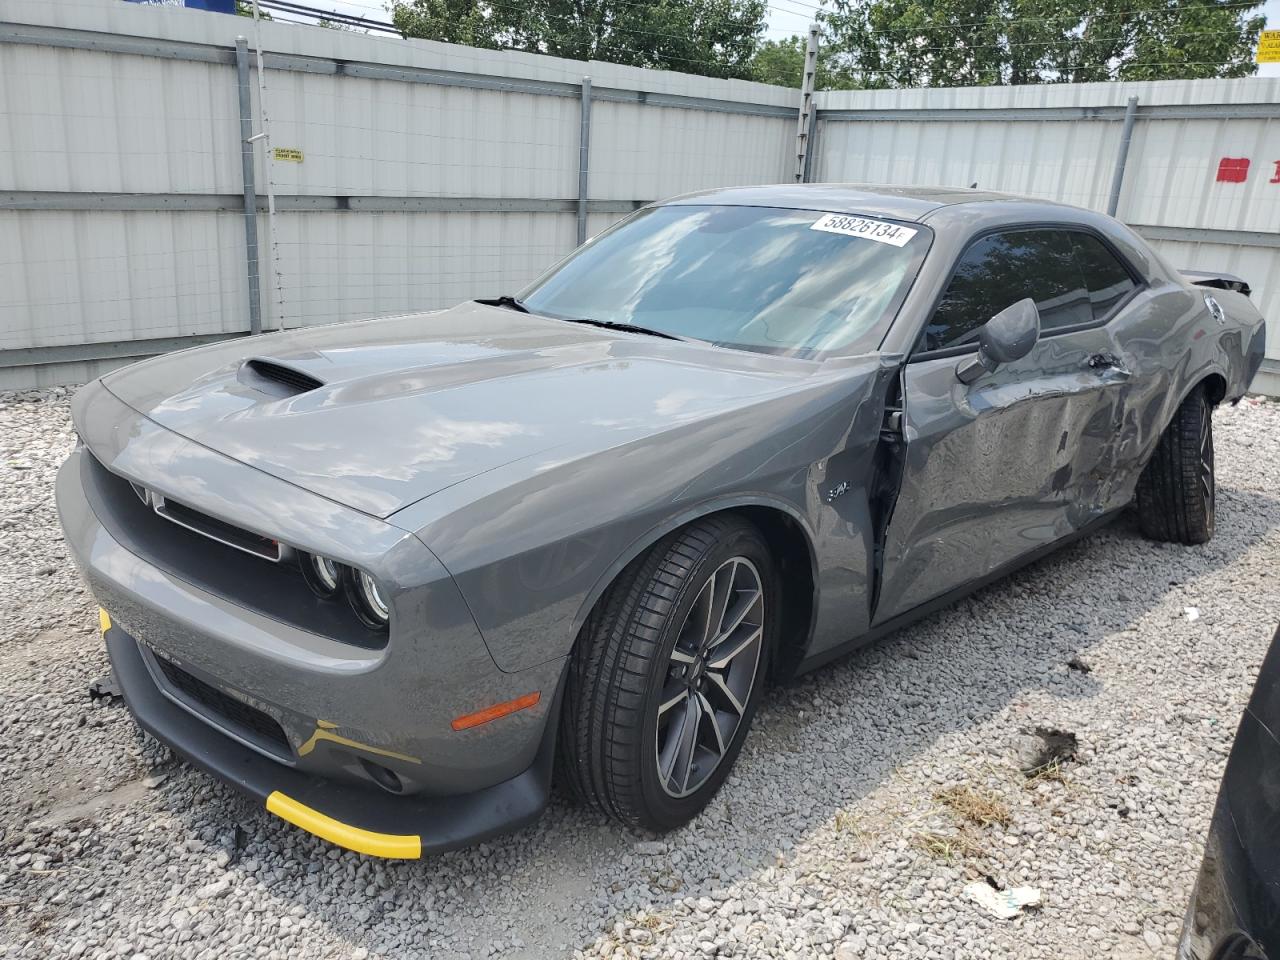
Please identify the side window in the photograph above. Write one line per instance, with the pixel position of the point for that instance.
(1003, 268)
(1105, 277)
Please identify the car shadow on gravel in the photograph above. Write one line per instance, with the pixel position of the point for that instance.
(819, 745)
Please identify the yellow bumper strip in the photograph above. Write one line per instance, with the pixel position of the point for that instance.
(324, 731)
(390, 845)
(104, 620)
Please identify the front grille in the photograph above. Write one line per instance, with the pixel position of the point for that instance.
(216, 529)
(225, 708)
(198, 549)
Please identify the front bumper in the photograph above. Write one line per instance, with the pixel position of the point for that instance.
(367, 820)
(255, 695)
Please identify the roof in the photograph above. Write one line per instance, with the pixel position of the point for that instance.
(878, 200)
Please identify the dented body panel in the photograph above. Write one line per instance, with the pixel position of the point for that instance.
(495, 471)
(1047, 445)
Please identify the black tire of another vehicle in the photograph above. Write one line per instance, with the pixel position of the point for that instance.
(622, 669)
(1176, 491)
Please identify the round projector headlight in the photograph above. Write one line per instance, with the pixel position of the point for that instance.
(326, 572)
(369, 600)
(323, 575)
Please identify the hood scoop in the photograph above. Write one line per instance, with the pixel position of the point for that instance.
(275, 378)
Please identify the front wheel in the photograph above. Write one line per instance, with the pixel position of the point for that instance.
(1176, 491)
(667, 674)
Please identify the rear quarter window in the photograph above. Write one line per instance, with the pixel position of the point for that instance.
(1105, 277)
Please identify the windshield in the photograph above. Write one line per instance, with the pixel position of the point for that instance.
(795, 282)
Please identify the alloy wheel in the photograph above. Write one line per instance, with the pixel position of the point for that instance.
(1206, 459)
(709, 676)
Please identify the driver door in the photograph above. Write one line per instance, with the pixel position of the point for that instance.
(1002, 467)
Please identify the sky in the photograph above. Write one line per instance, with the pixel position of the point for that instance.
(786, 17)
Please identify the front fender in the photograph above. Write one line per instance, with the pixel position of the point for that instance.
(680, 519)
(533, 545)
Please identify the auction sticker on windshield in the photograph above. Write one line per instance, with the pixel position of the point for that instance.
(876, 230)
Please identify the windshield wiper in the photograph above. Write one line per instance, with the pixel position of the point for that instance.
(507, 301)
(627, 328)
(511, 303)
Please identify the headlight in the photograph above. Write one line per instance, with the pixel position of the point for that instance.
(328, 579)
(322, 574)
(368, 600)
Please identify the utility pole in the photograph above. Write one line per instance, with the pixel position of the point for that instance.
(804, 125)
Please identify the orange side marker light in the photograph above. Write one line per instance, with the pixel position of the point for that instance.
(469, 720)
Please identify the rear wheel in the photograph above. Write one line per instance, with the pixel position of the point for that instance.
(1176, 491)
(667, 674)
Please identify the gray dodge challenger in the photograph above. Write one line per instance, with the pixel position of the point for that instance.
(387, 577)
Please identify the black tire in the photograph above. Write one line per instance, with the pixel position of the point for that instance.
(611, 732)
(1176, 491)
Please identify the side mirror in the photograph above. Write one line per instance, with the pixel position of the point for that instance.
(1007, 336)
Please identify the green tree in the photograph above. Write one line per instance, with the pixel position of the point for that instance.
(713, 37)
(781, 62)
(914, 43)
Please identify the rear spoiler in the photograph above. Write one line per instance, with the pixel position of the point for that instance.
(1219, 281)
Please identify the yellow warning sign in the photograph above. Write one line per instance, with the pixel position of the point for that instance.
(294, 155)
(1269, 46)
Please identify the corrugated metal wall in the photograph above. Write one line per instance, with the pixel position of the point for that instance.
(432, 173)
(1061, 143)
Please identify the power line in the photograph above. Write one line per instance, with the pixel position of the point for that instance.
(995, 23)
(332, 16)
(1240, 5)
(300, 9)
(1065, 68)
(1068, 43)
(962, 46)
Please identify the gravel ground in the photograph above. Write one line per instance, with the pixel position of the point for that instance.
(867, 797)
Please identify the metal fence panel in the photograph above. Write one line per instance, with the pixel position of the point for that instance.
(1171, 178)
(1068, 162)
(85, 120)
(391, 138)
(649, 153)
(72, 277)
(336, 266)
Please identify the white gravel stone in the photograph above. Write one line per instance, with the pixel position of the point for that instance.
(828, 840)
(215, 890)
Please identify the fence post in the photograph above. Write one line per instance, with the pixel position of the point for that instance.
(804, 125)
(584, 158)
(1122, 156)
(250, 192)
(811, 146)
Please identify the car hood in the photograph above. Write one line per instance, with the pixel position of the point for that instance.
(409, 405)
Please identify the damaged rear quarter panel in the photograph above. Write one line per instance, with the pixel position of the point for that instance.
(1044, 446)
